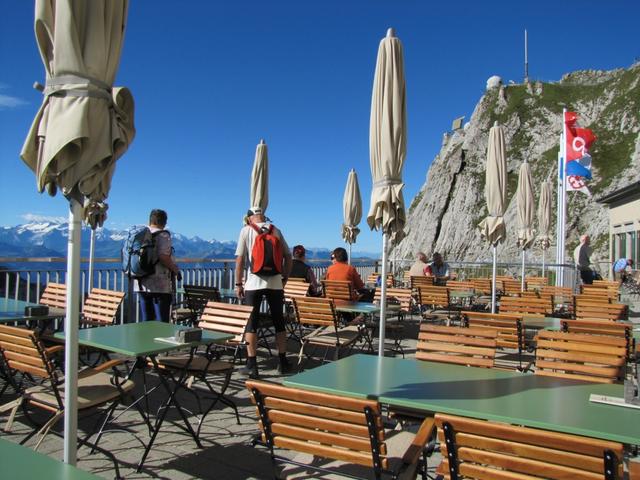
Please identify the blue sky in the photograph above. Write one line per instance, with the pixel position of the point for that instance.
(211, 78)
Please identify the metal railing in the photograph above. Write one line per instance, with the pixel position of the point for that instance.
(26, 278)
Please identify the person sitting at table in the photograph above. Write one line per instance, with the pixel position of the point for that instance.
(419, 268)
(440, 269)
(299, 269)
(622, 269)
(341, 270)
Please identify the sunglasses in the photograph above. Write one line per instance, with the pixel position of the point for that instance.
(333, 257)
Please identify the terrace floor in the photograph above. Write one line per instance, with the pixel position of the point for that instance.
(227, 452)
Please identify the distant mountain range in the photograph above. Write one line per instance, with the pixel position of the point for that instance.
(49, 239)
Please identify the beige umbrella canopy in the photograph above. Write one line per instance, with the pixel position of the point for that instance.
(387, 150)
(526, 206)
(493, 228)
(351, 208)
(544, 218)
(259, 196)
(388, 140)
(82, 127)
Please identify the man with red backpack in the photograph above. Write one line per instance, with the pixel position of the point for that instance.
(262, 245)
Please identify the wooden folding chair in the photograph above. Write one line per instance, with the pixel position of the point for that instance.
(403, 298)
(471, 346)
(217, 317)
(334, 428)
(434, 303)
(195, 299)
(421, 281)
(585, 309)
(542, 306)
(594, 358)
(602, 327)
(23, 352)
(508, 327)
(101, 307)
(320, 313)
(479, 449)
(54, 296)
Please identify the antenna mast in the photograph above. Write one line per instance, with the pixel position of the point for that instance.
(526, 57)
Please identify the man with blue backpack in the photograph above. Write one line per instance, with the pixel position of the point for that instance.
(148, 260)
(263, 246)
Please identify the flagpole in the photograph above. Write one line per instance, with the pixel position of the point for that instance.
(559, 214)
(564, 194)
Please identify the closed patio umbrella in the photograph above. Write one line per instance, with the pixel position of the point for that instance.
(352, 210)
(492, 228)
(259, 196)
(544, 218)
(82, 127)
(387, 151)
(526, 206)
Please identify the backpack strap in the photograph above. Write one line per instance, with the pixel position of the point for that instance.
(259, 230)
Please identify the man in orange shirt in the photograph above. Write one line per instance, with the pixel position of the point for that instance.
(341, 270)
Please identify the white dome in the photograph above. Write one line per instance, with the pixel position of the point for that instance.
(494, 82)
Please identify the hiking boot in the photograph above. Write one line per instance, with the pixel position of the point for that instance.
(284, 366)
(251, 372)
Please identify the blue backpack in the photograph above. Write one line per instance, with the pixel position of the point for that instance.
(139, 254)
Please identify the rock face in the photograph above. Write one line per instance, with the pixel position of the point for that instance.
(445, 213)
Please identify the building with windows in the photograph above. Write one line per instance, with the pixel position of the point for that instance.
(624, 222)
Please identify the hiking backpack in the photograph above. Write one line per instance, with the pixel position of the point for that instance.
(266, 255)
(139, 255)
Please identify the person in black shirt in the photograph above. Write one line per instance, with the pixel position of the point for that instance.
(300, 269)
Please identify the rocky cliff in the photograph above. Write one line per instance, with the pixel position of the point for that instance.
(445, 213)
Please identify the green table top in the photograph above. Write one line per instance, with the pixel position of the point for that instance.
(361, 307)
(539, 323)
(22, 463)
(523, 399)
(137, 339)
(461, 294)
(13, 311)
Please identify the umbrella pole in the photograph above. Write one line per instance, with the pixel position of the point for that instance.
(493, 281)
(92, 246)
(543, 252)
(349, 253)
(383, 295)
(71, 334)
(522, 281)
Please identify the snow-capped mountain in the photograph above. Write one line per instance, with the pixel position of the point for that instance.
(49, 239)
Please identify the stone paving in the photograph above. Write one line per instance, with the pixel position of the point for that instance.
(227, 452)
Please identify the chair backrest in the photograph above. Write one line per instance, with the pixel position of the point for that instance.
(595, 358)
(492, 450)
(507, 326)
(101, 306)
(527, 305)
(337, 289)
(320, 424)
(315, 311)
(421, 281)
(433, 297)
(295, 289)
(226, 318)
(512, 286)
(460, 286)
(610, 291)
(22, 351)
(373, 277)
(482, 286)
(197, 296)
(401, 296)
(589, 309)
(464, 346)
(54, 295)
(536, 283)
(601, 327)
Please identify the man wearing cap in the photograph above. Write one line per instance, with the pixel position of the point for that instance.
(299, 269)
(256, 287)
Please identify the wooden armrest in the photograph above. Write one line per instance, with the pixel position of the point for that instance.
(54, 349)
(413, 453)
(107, 365)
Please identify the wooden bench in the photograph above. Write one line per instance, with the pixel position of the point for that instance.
(421, 281)
(434, 302)
(601, 327)
(471, 346)
(605, 290)
(490, 450)
(512, 286)
(482, 286)
(334, 428)
(536, 283)
(595, 358)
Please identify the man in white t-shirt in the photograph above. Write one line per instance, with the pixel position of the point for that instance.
(257, 287)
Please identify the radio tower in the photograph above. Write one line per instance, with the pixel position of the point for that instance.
(526, 57)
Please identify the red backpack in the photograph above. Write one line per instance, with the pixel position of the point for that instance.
(266, 255)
